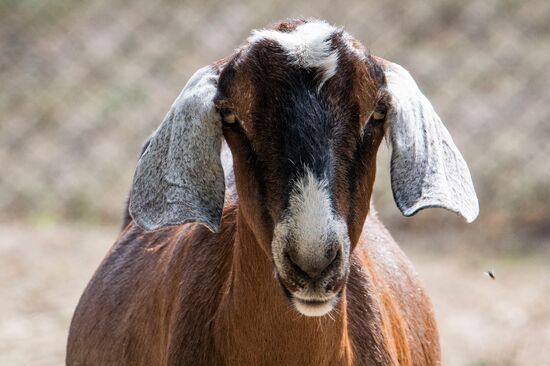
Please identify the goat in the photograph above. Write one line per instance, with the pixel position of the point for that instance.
(253, 239)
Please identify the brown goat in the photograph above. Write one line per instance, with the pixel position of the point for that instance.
(273, 254)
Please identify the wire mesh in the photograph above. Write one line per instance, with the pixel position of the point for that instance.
(83, 84)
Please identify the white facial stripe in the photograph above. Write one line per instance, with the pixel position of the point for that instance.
(308, 45)
(310, 209)
(310, 222)
(310, 218)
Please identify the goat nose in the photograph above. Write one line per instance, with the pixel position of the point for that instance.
(313, 266)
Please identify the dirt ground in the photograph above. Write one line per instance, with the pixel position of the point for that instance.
(506, 321)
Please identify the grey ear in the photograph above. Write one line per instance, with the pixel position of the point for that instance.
(427, 170)
(179, 178)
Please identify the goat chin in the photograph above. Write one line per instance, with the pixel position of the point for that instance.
(314, 308)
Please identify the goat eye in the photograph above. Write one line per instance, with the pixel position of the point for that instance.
(379, 113)
(228, 116)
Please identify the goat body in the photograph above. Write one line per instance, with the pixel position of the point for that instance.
(185, 296)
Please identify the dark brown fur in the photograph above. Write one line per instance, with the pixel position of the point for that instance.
(186, 296)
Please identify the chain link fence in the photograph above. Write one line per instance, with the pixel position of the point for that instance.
(83, 83)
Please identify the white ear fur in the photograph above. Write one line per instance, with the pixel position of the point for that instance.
(179, 178)
(427, 170)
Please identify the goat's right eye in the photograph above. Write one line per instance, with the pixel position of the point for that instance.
(228, 116)
(378, 115)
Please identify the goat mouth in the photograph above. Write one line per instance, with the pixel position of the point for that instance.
(311, 303)
(314, 307)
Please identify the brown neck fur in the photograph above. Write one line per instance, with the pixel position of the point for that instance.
(183, 295)
(255, 323)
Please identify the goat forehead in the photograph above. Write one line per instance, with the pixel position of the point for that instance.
(309, 45)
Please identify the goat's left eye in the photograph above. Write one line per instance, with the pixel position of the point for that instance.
(379, 114)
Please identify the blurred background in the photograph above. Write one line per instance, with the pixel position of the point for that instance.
(83, 83)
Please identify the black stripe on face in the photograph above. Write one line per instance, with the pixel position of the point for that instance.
(303, 128)
(291, 123)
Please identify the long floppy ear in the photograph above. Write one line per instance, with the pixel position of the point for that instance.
(427, 170)
(179, 178)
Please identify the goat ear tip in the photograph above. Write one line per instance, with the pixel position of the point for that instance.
(147, 226)
(471, 216)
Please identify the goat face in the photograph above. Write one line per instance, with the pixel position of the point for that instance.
(304, 109)
(297, 108)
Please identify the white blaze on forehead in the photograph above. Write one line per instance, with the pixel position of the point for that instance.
(309, 45)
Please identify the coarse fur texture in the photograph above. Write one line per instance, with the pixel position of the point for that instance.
(179, 177)
(440, 177)
(138, 308)
(308, 45)
(266, 164)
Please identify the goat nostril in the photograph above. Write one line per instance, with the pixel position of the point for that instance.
(313, 268)
(296, 266)
(332, 253)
